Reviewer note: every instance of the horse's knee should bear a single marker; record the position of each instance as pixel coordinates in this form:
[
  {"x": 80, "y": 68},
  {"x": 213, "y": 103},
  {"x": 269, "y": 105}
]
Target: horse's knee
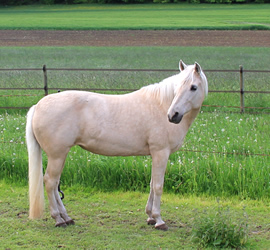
[{"x": 158, "y": 189}]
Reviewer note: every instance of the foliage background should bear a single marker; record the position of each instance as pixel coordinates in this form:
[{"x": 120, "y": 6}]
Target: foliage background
[{"x": 25, "y": 2}]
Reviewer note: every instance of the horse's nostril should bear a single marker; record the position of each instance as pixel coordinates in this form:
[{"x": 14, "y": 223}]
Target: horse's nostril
[{"x": 176, "y": 118}]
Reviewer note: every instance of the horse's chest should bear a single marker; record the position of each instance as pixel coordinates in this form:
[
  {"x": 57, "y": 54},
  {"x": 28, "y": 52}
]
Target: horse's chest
[{"x": 177, "y": 139}]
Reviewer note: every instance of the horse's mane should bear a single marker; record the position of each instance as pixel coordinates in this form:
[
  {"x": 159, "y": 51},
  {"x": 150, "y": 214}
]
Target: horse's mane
[{"x": 164, "y": 91}]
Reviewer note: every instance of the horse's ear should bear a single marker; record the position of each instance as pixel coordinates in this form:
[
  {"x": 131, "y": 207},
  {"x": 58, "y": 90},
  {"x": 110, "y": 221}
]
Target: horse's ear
[
  {"x": 182, "y": 66},
  {"x": 198, "y": 68}
]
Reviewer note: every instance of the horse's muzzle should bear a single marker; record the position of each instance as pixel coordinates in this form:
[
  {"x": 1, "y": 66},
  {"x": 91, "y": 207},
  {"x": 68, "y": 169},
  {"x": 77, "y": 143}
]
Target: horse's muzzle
[{"x": 176, "y": 118}]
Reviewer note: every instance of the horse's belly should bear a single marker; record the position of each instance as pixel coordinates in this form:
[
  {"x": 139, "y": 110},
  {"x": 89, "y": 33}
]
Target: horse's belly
[{"x": 115, "y": 148}]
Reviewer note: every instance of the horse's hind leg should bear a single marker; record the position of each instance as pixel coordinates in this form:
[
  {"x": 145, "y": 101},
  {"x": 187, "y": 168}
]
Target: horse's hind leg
[
  {"x": 62, "y": 209},
  {"x": 51, "y": 179}
]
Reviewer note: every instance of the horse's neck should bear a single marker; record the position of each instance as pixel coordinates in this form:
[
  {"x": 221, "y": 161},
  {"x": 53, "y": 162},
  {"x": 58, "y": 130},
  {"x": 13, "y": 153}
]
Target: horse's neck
[
  {"x": 187, "y": 121},
  {"x": 179, "y": 131},
  {"x": 190, "y": 117}
]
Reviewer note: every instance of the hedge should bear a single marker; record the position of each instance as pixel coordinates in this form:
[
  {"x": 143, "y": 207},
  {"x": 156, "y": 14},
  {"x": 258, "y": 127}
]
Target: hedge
[{"x": 50, "y": 2}]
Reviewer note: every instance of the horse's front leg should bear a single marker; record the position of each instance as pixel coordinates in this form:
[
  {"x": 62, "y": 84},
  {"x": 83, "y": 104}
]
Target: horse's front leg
[
  {"x": 149, "y": 205},
  {"x": 159, "y": 164}
]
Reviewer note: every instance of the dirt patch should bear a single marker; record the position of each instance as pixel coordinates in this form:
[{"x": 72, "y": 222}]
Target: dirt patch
[{"x": 134, "y": 38}]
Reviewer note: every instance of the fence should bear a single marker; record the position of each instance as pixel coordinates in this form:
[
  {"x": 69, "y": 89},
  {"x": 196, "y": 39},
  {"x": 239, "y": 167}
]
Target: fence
[
  {"x": 241, "y": 91},
  {"x": 45, "y": 82}
]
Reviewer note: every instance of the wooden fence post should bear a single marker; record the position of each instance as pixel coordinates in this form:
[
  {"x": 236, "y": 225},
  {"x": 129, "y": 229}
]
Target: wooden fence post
[
  {"x": 242, "y": 102},
  {"x": 45, "y": 80}
]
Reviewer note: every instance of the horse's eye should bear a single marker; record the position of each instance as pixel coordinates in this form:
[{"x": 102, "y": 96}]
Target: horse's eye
[{"x": 193, "y": 88}]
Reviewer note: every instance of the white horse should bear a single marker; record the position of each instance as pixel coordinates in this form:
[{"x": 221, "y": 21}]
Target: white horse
[{"x": 151, "y": 121}]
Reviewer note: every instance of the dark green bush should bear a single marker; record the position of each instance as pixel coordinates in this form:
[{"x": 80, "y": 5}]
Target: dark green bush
[{"x": 221, "y": 228}]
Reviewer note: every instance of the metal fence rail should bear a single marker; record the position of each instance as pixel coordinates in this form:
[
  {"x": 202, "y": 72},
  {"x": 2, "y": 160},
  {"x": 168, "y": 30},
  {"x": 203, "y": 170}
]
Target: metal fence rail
[{"x": 46, "y": 88}]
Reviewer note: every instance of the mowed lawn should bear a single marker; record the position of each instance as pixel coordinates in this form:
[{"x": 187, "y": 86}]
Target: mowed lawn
[
  {"x": 139, "y": 16},
  {"x": 116, "y": 220}
]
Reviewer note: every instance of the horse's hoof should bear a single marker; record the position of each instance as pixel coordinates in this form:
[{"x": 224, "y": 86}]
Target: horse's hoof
[
  {"x": 162, "y": 227},
  {"x": 70, "y": 222},
  {"x": 151, "y": 222},
  {"x": 62, "y": 224}
]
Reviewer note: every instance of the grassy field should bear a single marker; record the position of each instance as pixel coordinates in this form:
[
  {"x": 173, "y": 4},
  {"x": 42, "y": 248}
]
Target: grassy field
[
  {"x": 132, "y": 58},
  {"x": 219, "y": 174},
  {"x": 152, "y": 16},
  {"x": 197, "y": 173},
  {"x": 98, "y": 189},
  {"x": 117, "y": 221}
]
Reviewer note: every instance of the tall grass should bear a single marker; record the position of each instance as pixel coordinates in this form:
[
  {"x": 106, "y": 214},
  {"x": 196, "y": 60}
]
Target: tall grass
[
  {"x": 187, "y": 172},
  {"x": 146, "y": 16},
  {"x": 220, "y": 228}
]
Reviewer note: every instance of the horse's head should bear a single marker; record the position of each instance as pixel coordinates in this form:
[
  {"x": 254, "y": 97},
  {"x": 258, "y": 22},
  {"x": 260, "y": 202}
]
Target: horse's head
[{"x": 189, "y": 93}]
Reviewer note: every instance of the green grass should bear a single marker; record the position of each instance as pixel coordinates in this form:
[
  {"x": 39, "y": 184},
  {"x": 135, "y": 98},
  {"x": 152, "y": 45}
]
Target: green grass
[
  {"x": 199, "y": 173},
  {"x": 220, "y": 228},
  {"x": 164, "y": 57},
  {"x": 117, "y": 221},
  {"x": 146, "y": 16},
  {"x": 224, "y": 173}
]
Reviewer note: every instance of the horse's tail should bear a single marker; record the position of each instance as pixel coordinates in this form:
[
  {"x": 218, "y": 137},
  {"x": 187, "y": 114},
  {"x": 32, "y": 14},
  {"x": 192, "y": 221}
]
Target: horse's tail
[{"x": 36, "y": 189}]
